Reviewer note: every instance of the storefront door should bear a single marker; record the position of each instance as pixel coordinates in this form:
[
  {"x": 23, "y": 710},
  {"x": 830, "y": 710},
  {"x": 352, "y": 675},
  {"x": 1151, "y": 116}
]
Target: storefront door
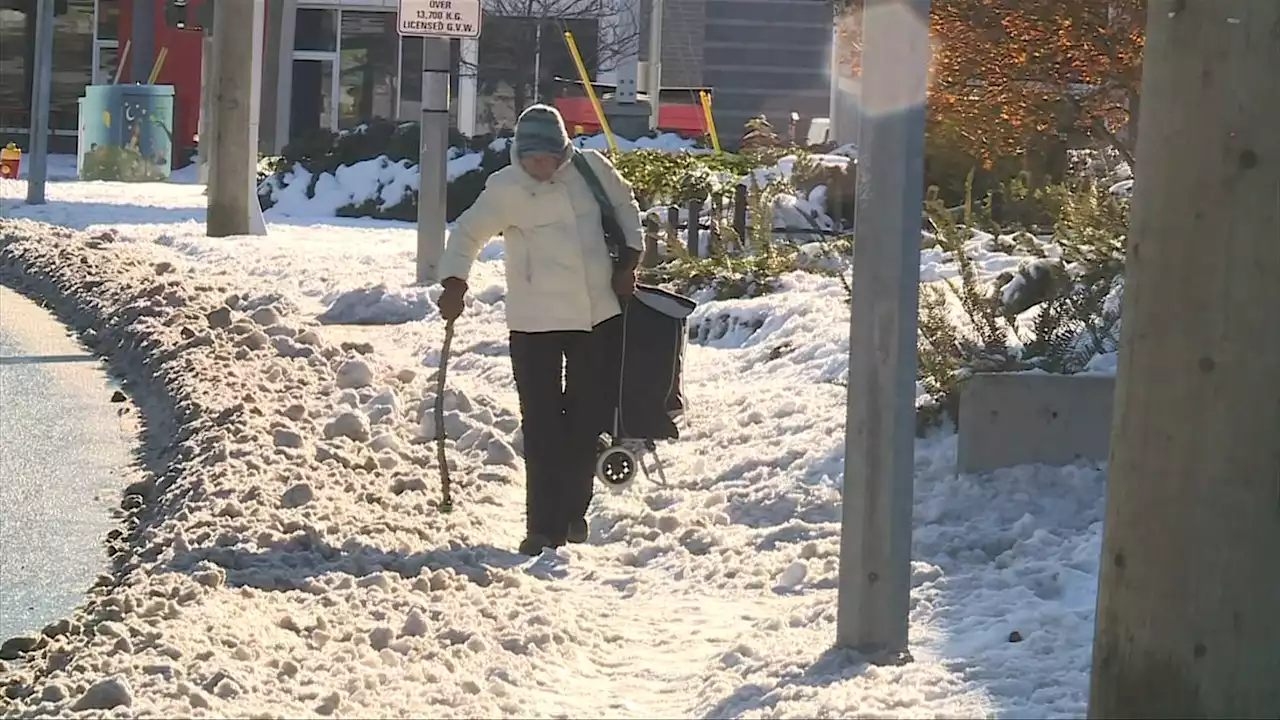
[{"x": 315, "y": 85}]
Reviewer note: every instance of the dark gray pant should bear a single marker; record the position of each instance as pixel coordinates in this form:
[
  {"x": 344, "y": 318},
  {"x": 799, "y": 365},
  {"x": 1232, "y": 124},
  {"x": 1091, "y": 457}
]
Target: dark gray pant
[{"x": 568, "y": 387}]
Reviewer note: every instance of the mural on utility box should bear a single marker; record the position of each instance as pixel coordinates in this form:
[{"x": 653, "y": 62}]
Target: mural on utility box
[{"x": 128, "y": 133}]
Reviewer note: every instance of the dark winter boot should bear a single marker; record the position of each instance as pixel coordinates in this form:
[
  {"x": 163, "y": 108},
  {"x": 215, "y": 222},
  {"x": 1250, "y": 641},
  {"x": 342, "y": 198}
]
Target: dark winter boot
[
  {"x": 534, "y": 544},
  {"x": 577, "y": 532}
]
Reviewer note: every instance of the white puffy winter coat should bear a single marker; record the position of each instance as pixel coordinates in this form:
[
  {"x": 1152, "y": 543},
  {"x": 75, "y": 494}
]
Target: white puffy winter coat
[{"x": 559, "y": 273}]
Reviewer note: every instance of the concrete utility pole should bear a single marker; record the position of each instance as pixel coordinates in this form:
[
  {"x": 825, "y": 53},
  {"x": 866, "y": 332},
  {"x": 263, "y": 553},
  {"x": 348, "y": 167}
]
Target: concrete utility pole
[
  {"x": 237, "y": 79},
  {"x": 433, "y": 156},
  {"x": 875, "y": 540},
  {"x": 844, "y": 106},
  {"x": 41, "y": 88},
  {"x": 204, "y": 127},
  {"x": 653, "y": 78},
  {"x": 1187, "y": 622}
]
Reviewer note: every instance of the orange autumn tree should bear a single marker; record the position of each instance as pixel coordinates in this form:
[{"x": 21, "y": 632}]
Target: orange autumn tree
[{"x": 1008, "y": 75}]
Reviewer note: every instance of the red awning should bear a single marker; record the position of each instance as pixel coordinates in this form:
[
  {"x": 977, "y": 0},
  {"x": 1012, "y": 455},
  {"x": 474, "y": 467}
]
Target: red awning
[{"x": 684, "y": 120}]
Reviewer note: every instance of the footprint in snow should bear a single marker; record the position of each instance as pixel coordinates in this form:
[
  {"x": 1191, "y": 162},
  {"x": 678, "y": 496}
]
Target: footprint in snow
[{"x": 550, "y": 565}]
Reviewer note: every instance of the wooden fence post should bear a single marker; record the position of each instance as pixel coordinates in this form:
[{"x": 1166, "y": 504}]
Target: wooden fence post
[
  {"x": 673, "y": 227},
  {"x": 717, "y": 214},
  {"x": 740, "y": 215},
  {"x": 652, "y": 229},
  {"x": 693, "y": 229},
  {"x": 850, "y": 201},
  {"x": 835, "y": 198}
]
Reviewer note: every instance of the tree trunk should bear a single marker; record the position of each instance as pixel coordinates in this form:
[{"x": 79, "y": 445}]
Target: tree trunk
[
  {"x": 1135, "y": 112},
  {"x": 1188, "y": 621}
]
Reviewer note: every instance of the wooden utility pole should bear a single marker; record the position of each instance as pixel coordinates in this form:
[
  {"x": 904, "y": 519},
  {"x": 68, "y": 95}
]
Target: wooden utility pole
[{"x": 1188, "y": 621}]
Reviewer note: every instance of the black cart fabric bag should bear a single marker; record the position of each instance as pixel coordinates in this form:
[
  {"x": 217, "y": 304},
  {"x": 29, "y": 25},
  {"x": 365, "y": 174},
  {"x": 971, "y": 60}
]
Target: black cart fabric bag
[{"x": 655, "y": 334}]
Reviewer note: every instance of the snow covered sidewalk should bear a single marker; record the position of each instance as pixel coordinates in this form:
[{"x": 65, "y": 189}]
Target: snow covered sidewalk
[{"x": 286, "y": 560}]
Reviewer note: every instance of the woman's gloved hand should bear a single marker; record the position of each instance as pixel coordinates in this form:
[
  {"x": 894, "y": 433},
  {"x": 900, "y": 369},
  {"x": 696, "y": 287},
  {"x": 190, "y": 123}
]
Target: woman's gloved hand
[
  {"x": 451, "y": 300},
  {"x": 624, "y": 282}
]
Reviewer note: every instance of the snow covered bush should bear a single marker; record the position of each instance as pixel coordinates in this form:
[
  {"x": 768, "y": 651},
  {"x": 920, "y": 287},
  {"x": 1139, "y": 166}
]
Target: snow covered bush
[
  {"x": 725, "y": 276},
  {"x": 792, "y": 223},
  {"x": 372, "y": 170},
  {"x": 793, "y": 215},
  {"x": 1058, "y": 312}
]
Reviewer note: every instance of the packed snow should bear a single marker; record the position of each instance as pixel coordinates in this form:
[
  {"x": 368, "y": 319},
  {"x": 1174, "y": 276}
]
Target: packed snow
[{"x": 287, "y": 559}]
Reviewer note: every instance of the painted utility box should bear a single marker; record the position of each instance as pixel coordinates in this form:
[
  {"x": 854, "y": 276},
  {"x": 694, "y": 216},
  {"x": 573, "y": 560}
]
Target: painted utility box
[{"x": 126, "y": 133}]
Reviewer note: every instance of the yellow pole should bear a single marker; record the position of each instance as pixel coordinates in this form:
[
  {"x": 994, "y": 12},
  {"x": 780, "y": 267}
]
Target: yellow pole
[
  {"x": 591, "y": 91},
  {"x": 711, "y": 121},
  {"x": 159, "y": 63},
  {"x": 120, "y": 62}
]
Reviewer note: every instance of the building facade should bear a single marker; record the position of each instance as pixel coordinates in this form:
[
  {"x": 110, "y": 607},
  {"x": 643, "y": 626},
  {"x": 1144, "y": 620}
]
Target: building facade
[
  {"x": 760, "y": 57},
  {"x": 77, "y": 63},
  {"x": 331, "y": 64}
]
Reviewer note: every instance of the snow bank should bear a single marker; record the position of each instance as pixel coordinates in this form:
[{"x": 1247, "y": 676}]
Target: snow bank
[
  {"x": 286, "y": 559},
  {"x": 243, "y": 550},
  {"x": 378, "y": 306}
]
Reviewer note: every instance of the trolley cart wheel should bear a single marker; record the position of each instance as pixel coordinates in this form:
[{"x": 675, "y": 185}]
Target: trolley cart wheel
[{"x": 617, "y": 467}]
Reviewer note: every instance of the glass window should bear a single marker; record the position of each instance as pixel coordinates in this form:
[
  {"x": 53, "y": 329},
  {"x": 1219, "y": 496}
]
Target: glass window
[
  {"x": 108, "y": 62},
  {"x": 505, "y": 76},
  {"x": 311, "y": 107},
  {"x": 411, "y": 78},
  {"x": 367, "y": 83},
  {"x": 108, "y": 19},
  {"x": 17, "y": 30},
  {"x": 316, "y": 29},
  {"x": 73, "y": 63},
  {"x": 557, "y": 61}
]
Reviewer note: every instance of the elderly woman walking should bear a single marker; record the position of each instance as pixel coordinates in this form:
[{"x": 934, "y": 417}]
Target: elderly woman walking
[{"x": 563, "y": 308}]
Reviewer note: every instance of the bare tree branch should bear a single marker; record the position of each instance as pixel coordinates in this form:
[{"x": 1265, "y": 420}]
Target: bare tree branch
[
  {"x": 618, "y": 21},
  {"x": 524, "y": 48}
]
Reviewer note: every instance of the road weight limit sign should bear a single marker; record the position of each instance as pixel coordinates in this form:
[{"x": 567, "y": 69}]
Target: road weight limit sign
[{"x": 440, "y": 18}]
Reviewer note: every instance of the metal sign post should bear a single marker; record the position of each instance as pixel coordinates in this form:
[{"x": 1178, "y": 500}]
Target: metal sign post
[
  {"x": 875, "y": 537},
  {"x": 436, "y": 22},
  {"x": 653, "y": 79},
  {"x": 41, "y": 87}
]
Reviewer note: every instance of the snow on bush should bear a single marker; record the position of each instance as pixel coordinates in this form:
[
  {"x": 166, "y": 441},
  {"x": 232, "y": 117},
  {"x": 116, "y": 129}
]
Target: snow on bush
[
  {"x": 382, "y": 182},
  {"x": 373, "y": 173}
]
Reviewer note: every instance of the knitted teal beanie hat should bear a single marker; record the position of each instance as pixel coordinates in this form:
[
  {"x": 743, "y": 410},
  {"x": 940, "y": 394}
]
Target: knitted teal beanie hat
[{"x": 540, "y": 129}]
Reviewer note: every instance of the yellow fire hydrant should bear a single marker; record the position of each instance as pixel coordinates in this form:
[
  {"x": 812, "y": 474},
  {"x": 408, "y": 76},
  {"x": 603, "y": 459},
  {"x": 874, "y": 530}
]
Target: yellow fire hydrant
[{"x": 10, "y": 162}]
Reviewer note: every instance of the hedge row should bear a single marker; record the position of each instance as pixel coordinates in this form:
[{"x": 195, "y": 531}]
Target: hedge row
[{"x": 658, "y": 177}]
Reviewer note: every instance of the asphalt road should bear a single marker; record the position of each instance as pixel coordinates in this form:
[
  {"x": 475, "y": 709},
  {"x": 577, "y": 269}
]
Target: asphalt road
[{"x": 65, "y": 454}]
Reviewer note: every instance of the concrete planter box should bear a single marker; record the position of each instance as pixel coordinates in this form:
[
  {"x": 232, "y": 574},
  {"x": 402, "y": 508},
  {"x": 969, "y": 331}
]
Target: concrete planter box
[{"x": 1009, "y": 419}]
